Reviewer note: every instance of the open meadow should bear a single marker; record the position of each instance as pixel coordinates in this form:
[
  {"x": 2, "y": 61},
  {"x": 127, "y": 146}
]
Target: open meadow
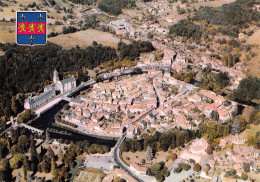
[
  {"x": 8, "y": 34},
  {"x": 86, "y": 38},
  {"x": 254, "y": 63}
]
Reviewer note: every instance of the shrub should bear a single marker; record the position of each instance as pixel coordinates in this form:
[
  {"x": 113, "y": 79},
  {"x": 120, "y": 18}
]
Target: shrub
[{"x": 197, "y": 167}]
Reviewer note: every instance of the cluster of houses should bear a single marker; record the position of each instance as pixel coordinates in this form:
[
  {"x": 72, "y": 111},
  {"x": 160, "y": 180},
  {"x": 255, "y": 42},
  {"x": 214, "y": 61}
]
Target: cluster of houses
[
  {"x": 230, "y": 153},
  {"x": 110, "y": 106},
  {"x": 145, "y": 101},
  {"x": 188, "y": 102},
  {"x": 235, "y": 73}
]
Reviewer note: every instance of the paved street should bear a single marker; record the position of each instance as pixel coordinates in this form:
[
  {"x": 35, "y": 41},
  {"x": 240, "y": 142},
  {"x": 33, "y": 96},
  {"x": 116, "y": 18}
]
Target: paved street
[{"x": 140, "y": 178}]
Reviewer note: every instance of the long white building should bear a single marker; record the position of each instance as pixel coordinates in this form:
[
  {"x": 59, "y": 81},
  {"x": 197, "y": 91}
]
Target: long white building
[{"x": 38, "y": 101}]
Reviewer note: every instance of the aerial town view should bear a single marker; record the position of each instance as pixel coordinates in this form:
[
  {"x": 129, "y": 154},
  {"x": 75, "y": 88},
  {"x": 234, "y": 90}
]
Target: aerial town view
[{"x": 130, "y": 90}]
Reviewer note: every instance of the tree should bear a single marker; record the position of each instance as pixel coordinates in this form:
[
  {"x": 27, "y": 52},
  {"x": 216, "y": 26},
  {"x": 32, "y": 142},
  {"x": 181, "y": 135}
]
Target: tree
[
  {"x": 16, "y": 161},
  {"x": 187, "y": 79},
  {"x": 159, "y": 178},
  {"x": 186, "y": 166},
  {"x": 33, "y": 151},
  {"x": 149, "y": 35},
  {"x": 246, "y": 167},
  {"x": 118, "y": 179},
  {"x": 173, "y": 156},
  {"x": 248, "y": 89},
  {"x": 53, "y": 165},
  {"x": 24, "y": 173},
  {"x": 29, "y": 178},
  {"x": 178, "y": 169},
  {"x": 186, "y": 28},
  {"x": 235, "y": 128},
  {"x": 165, "y": 172},
  {"x": 196, "y": 167},
  {"x": 1, "y": 151},
  {"x": 148, "y": 154},
  {"x": 214, "y": 115},
  {"x": 138, "y": 70},
  {"x": 45, "y": 166},
  {"x": 226, "y": 131},
  {"x": 23, "y": 143},
  {"x": 244, "y": 176},
  {"x": 209, "y": 150},
  {"x": 60, "y": 155},
  {"x": 156, "y": 168},
  {"x": 25, "y": 163},
  {"x": 5, "y": 170},
  {"x": 14, "y": 106},
  {"x": 50, "y": 154}
]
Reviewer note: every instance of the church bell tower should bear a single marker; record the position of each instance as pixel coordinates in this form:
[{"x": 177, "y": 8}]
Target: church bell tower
[{"x": 55, "y": 76}]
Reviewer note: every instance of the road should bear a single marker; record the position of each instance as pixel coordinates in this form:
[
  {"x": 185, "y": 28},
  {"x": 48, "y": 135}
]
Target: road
[
  {"x": 138, "y": 177},
  {"x": 118, "y": 160}
]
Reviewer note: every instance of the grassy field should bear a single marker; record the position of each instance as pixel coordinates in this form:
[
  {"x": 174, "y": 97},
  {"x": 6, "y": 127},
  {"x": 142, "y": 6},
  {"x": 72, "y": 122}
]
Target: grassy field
[
  {"x": 7, "y": 11},
  {"x": 7, "y": 32},
  {"x": 215, "y": 3},
  {"x": 250, "y": 132},
  {"x": 133, "y": 157},
  {"x": 86, "y": 38},
  {"x": 105, "y": 18},
  {"x": 254, "y": 63},
  {"x": 138, "y": 156}
]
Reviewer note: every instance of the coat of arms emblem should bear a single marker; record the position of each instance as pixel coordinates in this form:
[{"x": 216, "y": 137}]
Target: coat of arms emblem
[{"x": 31, "y": 28}]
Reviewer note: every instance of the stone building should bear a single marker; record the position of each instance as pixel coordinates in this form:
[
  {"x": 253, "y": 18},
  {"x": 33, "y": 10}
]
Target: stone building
[
  {"x": 37, "y": 101},
  {"x": 61, "y": 86},
  {"x": 50, "y": 91}
]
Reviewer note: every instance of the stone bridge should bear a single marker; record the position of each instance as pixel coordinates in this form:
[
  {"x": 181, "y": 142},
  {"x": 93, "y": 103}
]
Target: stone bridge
[{"x": 34, "y": 130}]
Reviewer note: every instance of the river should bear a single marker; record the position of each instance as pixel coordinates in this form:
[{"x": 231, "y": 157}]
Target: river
[{"x": 45, "y": 121}]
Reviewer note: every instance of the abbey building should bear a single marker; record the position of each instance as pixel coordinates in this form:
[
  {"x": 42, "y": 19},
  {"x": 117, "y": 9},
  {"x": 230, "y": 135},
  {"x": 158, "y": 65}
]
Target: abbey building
[
  {"x": 50, "y": 91},
  {"x": 61, "y": 86}
]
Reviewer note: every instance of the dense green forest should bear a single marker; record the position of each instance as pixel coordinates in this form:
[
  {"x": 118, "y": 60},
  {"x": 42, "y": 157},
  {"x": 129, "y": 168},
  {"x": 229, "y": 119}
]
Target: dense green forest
[
  {"x": 238, "y": 14},
  {"x": 175, "y": 138},
  {"x": 160, "y": 141},
  {"x": 233, "y": 17},
  {"x": 186, "y": 28},
  {"x": 206, "y": 79},
  {"x": 248, "y": 90},
  {"x": 115, "y": 7},
  {"x": 84, "y": 2},
  {"x": 133, "y": 50},
  {"x": 213, "y": 81}
]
